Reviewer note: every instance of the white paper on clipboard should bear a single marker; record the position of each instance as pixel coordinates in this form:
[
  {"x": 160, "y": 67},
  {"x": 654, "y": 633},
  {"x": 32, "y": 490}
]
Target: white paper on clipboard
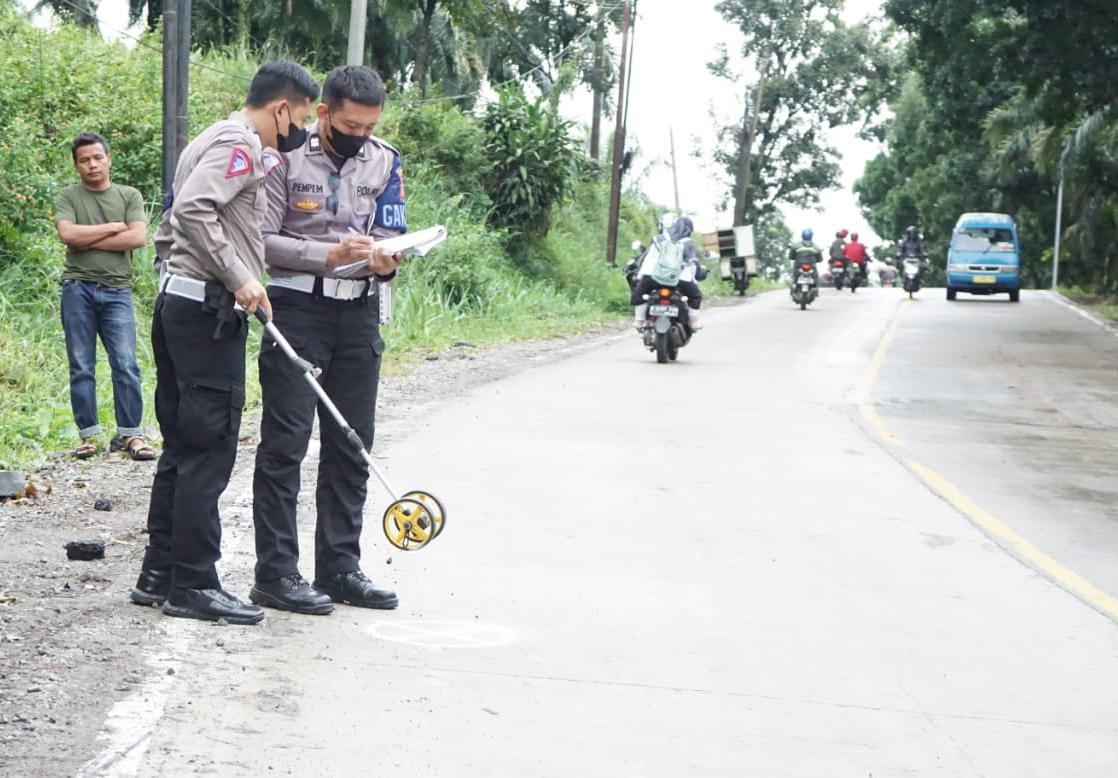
[{"x": 415, "y": 244}]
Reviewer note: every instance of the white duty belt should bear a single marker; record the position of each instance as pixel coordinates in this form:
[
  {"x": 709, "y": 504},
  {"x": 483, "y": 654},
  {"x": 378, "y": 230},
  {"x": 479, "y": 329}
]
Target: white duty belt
[
  {"x": 342, "y": 289},
  {"x": 334, "y": 288},
  {"x": 181, "y": 286}
]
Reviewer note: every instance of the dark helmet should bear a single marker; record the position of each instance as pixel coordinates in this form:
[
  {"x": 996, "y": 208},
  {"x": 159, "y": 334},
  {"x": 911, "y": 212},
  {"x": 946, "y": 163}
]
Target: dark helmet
[
  {"x": 807, "y": 235},
  {"x": 854, "y": 236},
  {"x": 911, "y": 232}
]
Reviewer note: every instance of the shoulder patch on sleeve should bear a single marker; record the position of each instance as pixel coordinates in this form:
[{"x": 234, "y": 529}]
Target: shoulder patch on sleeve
[
  {"x": 272, "y": 160},
  {"x": 239, "y": 163}
]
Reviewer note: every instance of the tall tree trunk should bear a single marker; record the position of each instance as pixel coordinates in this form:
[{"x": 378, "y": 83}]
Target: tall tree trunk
[
  {"x": 744, "y": 182},
  {"x": 423, "y": 50},
  {"x": 596, "y": 117},
  {"x": 244, "y": 21}
]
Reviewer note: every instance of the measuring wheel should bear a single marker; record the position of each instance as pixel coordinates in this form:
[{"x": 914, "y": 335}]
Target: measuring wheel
[
  {"x": 433, "y": 506},
  {"x": 408, "y": 524}
]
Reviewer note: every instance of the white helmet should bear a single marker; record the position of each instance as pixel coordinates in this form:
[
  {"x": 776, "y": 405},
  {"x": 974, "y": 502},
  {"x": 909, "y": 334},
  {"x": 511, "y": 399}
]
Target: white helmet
[{"x": 666, "y": 221}]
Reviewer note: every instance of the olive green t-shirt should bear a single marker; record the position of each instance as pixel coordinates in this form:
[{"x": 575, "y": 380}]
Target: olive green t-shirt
[{"x": 79, "y": 205}]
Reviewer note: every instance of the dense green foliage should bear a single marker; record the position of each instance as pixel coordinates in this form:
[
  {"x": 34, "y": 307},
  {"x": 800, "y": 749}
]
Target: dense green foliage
[
  {"x": 819, "y": 73},
  {"x": 58, "y": 83},
  {"x": 1002, "y": 97}
]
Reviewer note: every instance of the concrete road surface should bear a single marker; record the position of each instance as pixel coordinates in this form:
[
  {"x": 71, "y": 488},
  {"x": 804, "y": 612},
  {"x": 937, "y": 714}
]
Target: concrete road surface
[{"x": 781, "y": 556}]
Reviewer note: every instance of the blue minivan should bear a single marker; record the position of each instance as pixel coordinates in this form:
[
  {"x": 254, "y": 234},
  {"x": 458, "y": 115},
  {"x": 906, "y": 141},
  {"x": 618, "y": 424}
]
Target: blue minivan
[{"x": 984, "y": 256}]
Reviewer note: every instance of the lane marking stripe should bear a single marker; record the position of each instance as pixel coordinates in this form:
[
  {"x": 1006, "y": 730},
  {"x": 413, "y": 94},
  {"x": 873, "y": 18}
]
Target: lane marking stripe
[{"x": 991, "y": 525}]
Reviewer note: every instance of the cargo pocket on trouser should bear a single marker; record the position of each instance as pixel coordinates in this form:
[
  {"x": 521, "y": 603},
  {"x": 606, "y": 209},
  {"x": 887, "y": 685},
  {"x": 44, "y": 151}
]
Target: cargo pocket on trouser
[{"x": 210, "y": 413}]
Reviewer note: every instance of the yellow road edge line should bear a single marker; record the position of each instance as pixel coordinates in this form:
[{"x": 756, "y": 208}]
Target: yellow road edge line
[{"x": 994, "y": 527}]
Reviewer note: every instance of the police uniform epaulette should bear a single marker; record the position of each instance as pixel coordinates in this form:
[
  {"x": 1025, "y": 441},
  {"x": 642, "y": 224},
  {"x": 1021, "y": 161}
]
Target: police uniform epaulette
[{"x": 382, "y": 143}]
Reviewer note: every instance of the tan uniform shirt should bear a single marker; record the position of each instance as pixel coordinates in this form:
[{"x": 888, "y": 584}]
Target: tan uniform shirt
[
  {"x": 211, "y": 232},
  {"x": 312, "y": 204}
]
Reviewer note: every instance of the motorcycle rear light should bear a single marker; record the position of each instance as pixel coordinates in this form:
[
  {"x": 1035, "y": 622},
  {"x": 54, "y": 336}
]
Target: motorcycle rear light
[
  {"x": 665, "y": 292},
  {"x": 806, "y": 267}
]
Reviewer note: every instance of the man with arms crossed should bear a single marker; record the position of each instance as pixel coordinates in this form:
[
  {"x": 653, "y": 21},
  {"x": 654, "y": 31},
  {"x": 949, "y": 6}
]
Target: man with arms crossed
[{"x": 101, "y": 223}]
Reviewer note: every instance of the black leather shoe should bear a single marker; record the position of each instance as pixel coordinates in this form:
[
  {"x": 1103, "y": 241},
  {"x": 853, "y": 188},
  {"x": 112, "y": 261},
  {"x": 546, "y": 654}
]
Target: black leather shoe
[
  {"x": 355, "y": 589},
  {"x": 291, "y": 593},
  {"x": 210, "y": 605},
  {"x": 152, "y": 587}
]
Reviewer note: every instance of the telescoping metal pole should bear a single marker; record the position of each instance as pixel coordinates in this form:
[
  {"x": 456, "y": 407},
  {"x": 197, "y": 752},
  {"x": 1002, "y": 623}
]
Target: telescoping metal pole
[{"x": 310, "y": 373}]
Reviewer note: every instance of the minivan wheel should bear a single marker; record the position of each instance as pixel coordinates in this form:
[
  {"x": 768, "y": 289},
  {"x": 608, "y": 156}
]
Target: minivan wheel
[
  {"x": 1015, "y": 296},
  {"x": 950, "y": 293}
]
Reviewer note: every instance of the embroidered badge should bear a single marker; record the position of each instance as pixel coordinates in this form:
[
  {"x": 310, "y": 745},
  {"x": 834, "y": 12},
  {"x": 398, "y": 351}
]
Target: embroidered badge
[
  {"x": 271, "y": 162},
  {"x": 239, "y": 163},
  {"x": 308, "y": 205}
]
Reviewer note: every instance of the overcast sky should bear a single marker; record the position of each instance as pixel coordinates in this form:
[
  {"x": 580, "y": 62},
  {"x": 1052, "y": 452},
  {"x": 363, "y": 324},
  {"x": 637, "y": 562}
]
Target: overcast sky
[
  {"x": 671, "y": 85},
  {"x": 670, "y": 79}
]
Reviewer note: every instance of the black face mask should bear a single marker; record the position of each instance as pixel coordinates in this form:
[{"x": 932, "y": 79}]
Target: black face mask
[
  {"x": 294, "y": 138},
  {"x": 344, "y": 144}
]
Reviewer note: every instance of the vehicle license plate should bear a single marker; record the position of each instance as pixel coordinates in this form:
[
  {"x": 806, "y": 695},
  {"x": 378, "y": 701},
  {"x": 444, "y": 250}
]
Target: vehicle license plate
[
  {"x": 663, "y": 310},
  {"x": 985, "y": 279}
]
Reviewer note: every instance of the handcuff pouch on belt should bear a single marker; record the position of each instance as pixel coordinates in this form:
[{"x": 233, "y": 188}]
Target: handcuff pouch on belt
[{"x": 219, "y": 301}]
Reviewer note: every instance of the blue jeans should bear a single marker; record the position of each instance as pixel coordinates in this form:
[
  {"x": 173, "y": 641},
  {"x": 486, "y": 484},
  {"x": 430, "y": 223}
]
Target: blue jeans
[{"x": 89, "y": 310}]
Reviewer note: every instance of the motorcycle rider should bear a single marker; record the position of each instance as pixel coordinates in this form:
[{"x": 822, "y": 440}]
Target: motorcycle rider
[
  {"x": 838, "y": 248},
  {"x": 855, "y": 252},
  {"x": 677, "y": 231},
  {"x": 911, "y": 245},
  {"x": 803, "y": 252}
]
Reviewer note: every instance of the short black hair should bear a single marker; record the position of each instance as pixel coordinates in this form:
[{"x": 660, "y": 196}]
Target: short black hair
[
  {"x": 353, "y": 82},
  {"x": 280, "y": 79},
  {"x": 88, "y": 139}
]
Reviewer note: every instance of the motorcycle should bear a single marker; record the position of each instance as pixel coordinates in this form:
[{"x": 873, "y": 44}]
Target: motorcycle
[
  {"x": 740, "y": 275},
  {"x": 633, "y": 266},
  {"x": 667, "y": 329},
  {"x": 838, "y": 272},
  {"x": 856, "y": 275},
  {"x": 805, "y": 287},
  {"x": 912, "y": 276}
]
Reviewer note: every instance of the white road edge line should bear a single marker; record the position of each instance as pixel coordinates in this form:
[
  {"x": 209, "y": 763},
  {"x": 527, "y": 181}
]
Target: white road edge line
[
  {"x": 131, "y": 722},
  {"x": 1076, "y": 308}
]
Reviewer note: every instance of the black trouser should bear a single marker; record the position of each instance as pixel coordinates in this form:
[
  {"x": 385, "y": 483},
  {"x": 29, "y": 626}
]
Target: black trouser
[
  {"x": 199, "y": 396},
  {"x": 342, "y": 337},
  {"x": 689, "y": 289}
]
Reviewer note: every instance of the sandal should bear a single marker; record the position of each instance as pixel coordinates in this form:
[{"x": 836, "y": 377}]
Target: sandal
[
  {"x": 87, "y": 449},
  {"x": 134, "y": 446}
]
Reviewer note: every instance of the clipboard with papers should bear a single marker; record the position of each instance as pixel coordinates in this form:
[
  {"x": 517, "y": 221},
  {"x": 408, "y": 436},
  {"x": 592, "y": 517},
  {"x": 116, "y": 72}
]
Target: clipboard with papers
[{"x": 413, "y": 244}]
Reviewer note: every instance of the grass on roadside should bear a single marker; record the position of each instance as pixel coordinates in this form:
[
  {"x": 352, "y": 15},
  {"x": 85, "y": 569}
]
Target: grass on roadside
[{"x": 1104, "y": 305}]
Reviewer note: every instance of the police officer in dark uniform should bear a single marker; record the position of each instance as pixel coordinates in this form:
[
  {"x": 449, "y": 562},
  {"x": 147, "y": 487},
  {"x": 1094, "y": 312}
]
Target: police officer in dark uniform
[
  {"x": 213, "y": 251},
  {"x": 327, "y": 203}
]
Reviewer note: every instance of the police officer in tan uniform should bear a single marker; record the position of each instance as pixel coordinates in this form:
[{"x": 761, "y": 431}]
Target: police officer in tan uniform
[
  {"x": 327, "y": 203},
  {"x": 213, "y": 251}
]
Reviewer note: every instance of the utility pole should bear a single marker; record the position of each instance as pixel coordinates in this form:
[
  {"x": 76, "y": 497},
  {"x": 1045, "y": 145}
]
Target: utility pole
[
  {"x": 596, "y": 117},
  {"x": 170, "y": 91},
  {"x": 182, "y": 66},
  {"x": 675, "y": 176},
  {"x": 355, "y": 54},
  {"x": 1059, "y": 224},
  {"x": 618, "y": 143}
]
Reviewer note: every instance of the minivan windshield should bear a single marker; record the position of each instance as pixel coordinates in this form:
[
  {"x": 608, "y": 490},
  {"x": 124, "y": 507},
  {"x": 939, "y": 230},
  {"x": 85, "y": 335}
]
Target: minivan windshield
[{"x": 984, "y": 239}]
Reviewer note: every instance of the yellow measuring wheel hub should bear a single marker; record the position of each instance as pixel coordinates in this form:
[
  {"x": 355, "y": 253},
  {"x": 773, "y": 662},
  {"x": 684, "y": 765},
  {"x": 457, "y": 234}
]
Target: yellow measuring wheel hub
[
  {"x": 408, "y": 524},
  {"x": 433, "y": 506}
]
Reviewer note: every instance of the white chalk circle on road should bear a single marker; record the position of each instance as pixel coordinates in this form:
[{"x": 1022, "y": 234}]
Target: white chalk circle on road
[{"x": 442, "y": 634}]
